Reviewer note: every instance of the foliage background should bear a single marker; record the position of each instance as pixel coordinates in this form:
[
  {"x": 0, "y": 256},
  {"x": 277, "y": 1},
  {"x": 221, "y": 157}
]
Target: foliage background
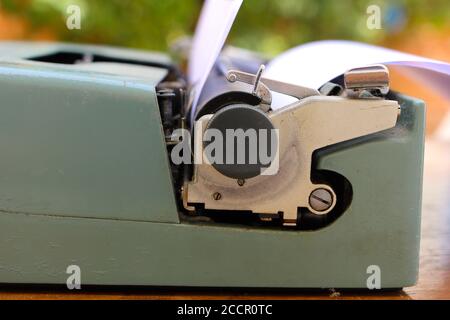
[{"x": 268, "y": 26}]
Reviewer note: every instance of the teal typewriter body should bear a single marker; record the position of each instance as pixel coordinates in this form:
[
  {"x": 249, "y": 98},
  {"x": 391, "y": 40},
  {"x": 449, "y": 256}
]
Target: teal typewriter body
[{"x": 87, "y": 179}]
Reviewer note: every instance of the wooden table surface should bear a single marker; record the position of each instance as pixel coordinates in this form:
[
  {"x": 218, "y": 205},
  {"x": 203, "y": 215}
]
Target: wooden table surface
[{"x": 434, "y": 277}]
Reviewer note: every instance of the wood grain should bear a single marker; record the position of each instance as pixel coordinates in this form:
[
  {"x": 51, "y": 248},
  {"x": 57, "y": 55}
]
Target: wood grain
[{"x": 434, "y": 278}]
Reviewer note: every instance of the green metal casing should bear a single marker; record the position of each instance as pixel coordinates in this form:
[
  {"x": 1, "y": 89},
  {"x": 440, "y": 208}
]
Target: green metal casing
[{"x": 85, "y": 180}]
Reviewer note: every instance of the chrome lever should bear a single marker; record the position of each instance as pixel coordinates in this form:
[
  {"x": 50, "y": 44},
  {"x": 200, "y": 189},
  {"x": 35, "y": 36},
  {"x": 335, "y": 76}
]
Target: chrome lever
[
  {"x": 367, "y": 82},
  {"x": 262, "y": 86}
]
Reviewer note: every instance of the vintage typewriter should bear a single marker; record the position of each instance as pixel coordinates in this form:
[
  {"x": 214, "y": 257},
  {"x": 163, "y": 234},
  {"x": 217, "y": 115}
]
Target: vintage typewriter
[{"x": 89, "y": 135}]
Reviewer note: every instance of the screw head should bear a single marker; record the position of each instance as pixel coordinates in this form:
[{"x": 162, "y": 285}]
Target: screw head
[
  {"x": 217, "y": 196},
  {"x": 321, "y": 199},
  {"x": 232, "y": 77}
]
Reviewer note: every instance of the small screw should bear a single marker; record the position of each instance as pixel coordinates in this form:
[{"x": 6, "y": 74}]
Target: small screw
[
  {"x": 240, "y": 182},
  {"x": 320, "y": 199},
  {"x": 232, "y": 77},
  {"x": 217, "y": 196}
]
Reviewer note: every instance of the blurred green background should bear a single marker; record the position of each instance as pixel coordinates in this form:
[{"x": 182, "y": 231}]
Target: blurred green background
[{"x": 267, "y": 26}]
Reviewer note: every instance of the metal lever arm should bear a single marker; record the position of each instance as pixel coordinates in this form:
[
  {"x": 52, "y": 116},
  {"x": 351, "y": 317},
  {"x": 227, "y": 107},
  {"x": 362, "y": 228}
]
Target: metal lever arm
[{"x": 274, "y": 85}]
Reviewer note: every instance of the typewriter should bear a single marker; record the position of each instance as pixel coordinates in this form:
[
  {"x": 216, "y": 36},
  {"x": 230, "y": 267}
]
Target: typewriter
[{"x": 106, "y": 165}]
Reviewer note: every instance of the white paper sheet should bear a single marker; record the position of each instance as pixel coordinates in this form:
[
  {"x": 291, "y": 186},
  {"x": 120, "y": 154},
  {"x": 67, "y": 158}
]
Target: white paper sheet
[
  {"x": 212, "y": 29},
  {"x": 315, "y": 63}
]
